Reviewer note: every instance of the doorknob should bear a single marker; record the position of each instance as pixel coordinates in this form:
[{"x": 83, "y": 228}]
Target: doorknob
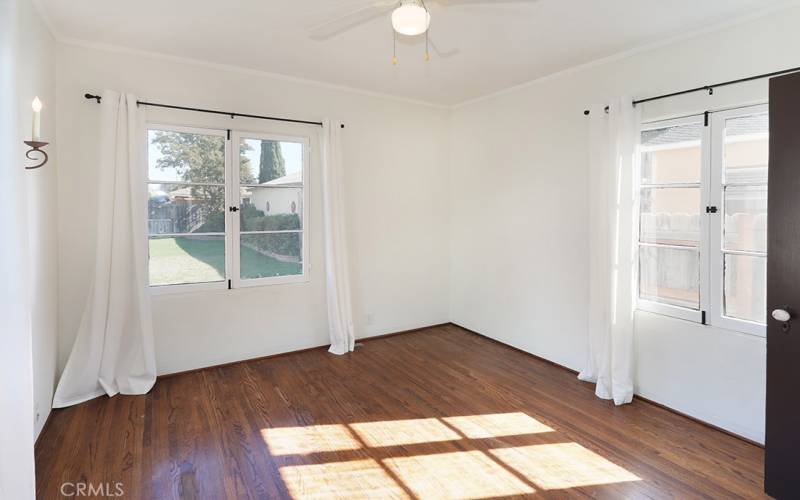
[{"x": 781, "y": 314}]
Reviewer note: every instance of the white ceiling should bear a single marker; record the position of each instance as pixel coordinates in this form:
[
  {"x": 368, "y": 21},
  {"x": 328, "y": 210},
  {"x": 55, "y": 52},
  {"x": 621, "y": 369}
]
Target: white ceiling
[{"x": 495, "y": 46}]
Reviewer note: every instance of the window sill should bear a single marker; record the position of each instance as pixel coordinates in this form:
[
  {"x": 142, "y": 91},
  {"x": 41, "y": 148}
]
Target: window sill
[
  {"x": 736, "y": 326},
  {"x": 676, "y": 312},
  {"x": 222, "y": 286}
]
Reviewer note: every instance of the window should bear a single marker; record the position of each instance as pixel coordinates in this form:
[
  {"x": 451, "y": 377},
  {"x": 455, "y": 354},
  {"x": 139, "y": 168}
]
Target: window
[
  {"x": 207, "y": 191},
  {"x": 703, "y": 218}
]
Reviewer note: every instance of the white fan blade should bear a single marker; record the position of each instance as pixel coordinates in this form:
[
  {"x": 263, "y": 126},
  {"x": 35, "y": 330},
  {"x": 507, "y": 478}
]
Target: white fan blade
[
  {"x": 360, "y": 16},
  {"x": 448, "y": 3}
]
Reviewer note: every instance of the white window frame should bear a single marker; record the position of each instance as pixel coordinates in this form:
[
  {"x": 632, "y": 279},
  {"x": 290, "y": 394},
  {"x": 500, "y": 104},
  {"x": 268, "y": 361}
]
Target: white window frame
[
  {"x": 232, "y": 278},
  {"x": 711, "y": 250}
]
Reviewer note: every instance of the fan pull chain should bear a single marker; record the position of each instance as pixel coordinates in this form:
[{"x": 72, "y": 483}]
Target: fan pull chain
[
  {"x": 427, "y": 51},
  {"x": 394, "y": 48}
]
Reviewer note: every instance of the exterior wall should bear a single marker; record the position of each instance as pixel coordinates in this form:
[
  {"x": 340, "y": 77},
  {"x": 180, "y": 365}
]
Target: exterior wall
[{"x": 280, "y": 200}]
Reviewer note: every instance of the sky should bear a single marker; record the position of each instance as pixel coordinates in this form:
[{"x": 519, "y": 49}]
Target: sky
[{"x": 292, "y": 155}]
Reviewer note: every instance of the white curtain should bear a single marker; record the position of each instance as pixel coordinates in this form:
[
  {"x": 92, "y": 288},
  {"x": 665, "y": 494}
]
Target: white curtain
[
  {"x": 113, "y": 351},
  {"x": 613, "y": 179},
  {"x": 340, "y": 314}
]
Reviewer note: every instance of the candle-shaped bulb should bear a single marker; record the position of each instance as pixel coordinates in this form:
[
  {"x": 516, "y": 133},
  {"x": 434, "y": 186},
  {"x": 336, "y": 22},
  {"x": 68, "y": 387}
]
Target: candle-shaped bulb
[{"x": 36, "y": 105}]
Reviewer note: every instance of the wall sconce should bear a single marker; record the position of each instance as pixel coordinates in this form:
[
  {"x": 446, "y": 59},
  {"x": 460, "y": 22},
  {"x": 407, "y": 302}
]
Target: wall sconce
[{"x": 36, "y": 143}]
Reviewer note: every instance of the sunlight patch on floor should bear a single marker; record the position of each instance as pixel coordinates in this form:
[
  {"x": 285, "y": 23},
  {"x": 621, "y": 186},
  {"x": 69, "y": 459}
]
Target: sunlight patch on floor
[
  {"x": 403, "y": 432},
  {"x": 311, "y": 439},
  {"x": 474, "y": 472},
  {"x": 562, "y": 465},
  {"x": 497, "y": 425},
  {"x": 467, "y": 474},
  {"x": 347, "y": 480}
]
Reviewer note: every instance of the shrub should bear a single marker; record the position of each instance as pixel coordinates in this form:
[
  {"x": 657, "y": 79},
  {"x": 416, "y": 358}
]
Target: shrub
[
  {"x": 214, "y": 224},
  {"x": 288, "y": 244},
  {"x": 277, "y": 222}
]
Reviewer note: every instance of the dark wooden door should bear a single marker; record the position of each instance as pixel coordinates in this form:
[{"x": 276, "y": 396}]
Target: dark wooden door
[{"x": 782, "y": 465}]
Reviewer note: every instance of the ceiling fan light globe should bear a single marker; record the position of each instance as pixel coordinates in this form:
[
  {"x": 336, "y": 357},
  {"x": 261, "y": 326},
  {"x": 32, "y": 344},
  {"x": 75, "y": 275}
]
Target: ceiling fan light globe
[{"x": 411, "y": 19}]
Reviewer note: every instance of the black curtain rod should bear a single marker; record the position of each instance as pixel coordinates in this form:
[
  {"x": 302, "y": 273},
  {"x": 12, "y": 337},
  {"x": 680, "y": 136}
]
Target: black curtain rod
[
  {"x": 212, "y": 111},
  {"x": 710, "y": 88}
]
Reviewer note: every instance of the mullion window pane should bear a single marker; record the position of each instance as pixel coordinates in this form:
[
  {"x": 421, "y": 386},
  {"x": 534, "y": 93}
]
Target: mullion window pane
[
  {"x": 746, "y": 152},
  {"x": 670, "y": 276},
  {"x": 274, "y": 162},
  {"x": 180, "y": 208},
  {"x": 745, "y": 225},
  {"x": 185, "y": 157},
  {"x": 267, "y": 208},
  {"x": 270, "y": 255},
  {"x": 186, "y": 259},
  {"x": 745, "y": 286},
  {"x": 670, "y": 216},
  {"x": 671, "y": 154}
]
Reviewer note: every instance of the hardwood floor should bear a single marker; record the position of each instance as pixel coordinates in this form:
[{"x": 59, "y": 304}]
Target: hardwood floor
[{"x": 436, "y": 413}]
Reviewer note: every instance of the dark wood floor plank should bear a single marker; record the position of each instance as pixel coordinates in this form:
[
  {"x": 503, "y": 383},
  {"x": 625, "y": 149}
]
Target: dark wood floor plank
[
  {"x": 389, "y": 421},
  {"x": 687, "y": 457}
]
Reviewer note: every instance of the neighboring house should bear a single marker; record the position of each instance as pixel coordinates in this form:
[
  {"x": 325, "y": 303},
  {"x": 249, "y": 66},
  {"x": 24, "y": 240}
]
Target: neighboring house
[{"x": 283, "y": 195}]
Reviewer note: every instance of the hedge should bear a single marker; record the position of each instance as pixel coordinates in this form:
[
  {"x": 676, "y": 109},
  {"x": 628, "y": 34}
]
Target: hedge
[{"x": 252, "y": 219}]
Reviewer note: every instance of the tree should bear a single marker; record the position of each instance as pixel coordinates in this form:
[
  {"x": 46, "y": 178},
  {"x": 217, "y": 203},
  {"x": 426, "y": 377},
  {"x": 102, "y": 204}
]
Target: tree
[
  {"x": 198, "y": 158},
  {"x": 272, "y": 164},
  {"x": 245, "y": 168}
]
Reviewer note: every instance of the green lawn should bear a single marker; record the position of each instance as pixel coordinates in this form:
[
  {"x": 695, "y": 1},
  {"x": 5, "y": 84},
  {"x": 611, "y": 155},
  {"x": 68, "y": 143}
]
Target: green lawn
[{"x": 202, "y": 259}]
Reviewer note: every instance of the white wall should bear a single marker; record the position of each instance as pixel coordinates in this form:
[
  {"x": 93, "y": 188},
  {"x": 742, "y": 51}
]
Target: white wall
[
  {"x": 396, "y": 189},
  {"x": 27, "y": 255},
  {"x": 519, "y": 217},
  {"x": 38, "y": 78}
]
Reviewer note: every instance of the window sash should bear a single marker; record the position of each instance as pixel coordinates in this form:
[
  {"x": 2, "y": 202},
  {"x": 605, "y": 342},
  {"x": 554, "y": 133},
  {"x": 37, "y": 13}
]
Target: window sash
[
  {"x": 235, "y": 189},
  {"x": 684, "y": 313},
  {"x": 717, "y": 187}
]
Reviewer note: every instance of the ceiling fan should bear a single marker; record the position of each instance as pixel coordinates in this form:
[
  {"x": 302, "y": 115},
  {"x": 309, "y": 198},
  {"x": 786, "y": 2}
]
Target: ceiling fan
[{"x": 409, "y": 18}]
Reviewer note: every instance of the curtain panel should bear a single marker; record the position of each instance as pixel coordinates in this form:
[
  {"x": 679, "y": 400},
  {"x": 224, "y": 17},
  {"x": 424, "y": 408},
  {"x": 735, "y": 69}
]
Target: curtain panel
[
  {"x": 113, "y": 350},
  {"x": 337, "y": 274},
  {"x": 613, "y": 178}
]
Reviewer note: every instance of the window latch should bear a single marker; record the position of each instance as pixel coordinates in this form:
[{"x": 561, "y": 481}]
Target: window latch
[
  {"x": 233, "y": 209},
  {"x": 711, "y": 210}
]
